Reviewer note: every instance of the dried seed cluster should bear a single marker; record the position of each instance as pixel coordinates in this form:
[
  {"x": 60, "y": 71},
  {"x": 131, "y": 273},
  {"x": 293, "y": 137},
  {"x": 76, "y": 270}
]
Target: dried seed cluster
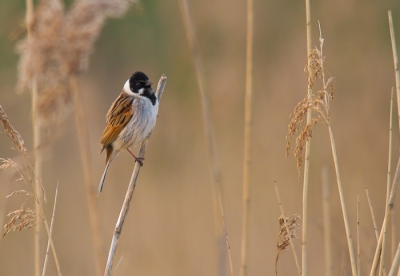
[{"x": 318, "y": 104}]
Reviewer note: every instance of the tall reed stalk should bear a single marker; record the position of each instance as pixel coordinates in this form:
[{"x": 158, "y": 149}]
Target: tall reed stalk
[
  {"x": 393, "y": 190},
  {"x": 36, "y": 144},
  {"x": 307, "y": 150},
  {"x": 326, "y": 214},
  {"x": 221, "y": 231},
  {"x": 91, "y": 198},
  {"x": 248, "y": 125},
  {"x": 382, "y": 263}
]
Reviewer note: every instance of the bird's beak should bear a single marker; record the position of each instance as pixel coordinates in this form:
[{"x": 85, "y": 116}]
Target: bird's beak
[{"x": 148, "y": 82}]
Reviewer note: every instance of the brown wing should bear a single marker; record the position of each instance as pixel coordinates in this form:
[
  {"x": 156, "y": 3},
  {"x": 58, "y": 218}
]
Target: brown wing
[{"x": 117, "y": 118}]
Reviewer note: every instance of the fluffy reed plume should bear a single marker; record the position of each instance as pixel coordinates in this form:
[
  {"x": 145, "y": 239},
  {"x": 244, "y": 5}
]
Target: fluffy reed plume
[
  {"x": 59, "y": 47},
  {"x": 318, "y": 103},
  {"x": 287, "y": 232},
  {"x": 24, "y": 217}
]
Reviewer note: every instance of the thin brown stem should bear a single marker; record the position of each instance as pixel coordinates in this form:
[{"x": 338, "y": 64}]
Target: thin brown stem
[
  {"x": 247, "y": 140},
  {"x": 342, "y": 203},
  {"x": 372, "y": 214},
  {"x": 389, "y": 208},
  {"x": 50, "y": 233},
  {"x": 212, "y": 154},
  {"x": 290, "y": 237},
  {"x": 129, "y": 193},
  {"x": 395, "y": 265},
  {"x": 326, "y": 213},
  {"x": 382, "y": 263},
  {"x": 307, "y": 149},
  {"x": 390, "y": 202},
  {"x": 395, "y": 61},
  {"x": 91, "y": 199},
  {"x": 394, "y": 237},
  {"x": 358, "y": 237},
  {"x": 36, "y": 143}
]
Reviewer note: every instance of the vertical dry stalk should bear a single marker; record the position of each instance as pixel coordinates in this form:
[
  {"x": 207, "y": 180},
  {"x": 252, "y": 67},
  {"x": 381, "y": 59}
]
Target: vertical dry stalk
[
  {"x": 247, "y": 139},
  {"x": 342, "y": 203},
  {"x": 290, "y": 240},
  {"x": 372, "y": 214},
  {"x": 219, "y": 214},
  {"x": 358, "y": 236},
  {"x": 308, "y": 148},
  {"x": 335, "y": 160},
  {"x": 129, "y": 192},
  {"x": 389, "y": 208},
  {"x": 390, "y": 202},
  {"x": 326, "y": 213},
  {"x": 395, "y": 61},
  {"x": 395, "y": 263},
  {"x": 382, "y": 263},
  {"x": 84, "y": 149},
  {"x": 36, "y": 143},
  {"x": 51, "y": 233},
  {"x": 394, "y": 237}
]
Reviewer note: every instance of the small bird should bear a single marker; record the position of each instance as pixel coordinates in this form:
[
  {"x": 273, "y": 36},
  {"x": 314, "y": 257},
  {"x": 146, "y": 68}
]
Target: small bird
[{"x": 130, "y": 119}]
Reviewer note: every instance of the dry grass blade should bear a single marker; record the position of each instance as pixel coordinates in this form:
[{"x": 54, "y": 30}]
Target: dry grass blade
[
  {"x": 287, "y": 232},
  {"x": 12, "y": 132}
]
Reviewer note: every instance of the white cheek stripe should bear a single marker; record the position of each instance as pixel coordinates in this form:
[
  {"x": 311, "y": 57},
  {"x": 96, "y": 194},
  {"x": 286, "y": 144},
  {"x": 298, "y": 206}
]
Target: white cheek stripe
[{"x": 127, "y": 89}]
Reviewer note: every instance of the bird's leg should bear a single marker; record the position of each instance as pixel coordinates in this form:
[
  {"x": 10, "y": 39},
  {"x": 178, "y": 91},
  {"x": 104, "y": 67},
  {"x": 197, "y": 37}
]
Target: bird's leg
[{"x": 137, "y": 159}]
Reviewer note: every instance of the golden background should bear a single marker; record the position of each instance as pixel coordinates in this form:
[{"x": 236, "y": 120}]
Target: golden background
[{"x": 170, "y": 226}]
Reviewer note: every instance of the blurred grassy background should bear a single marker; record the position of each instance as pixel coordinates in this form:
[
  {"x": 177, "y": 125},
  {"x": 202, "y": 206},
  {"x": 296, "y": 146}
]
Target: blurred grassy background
[{"x": 170, "y": 228}]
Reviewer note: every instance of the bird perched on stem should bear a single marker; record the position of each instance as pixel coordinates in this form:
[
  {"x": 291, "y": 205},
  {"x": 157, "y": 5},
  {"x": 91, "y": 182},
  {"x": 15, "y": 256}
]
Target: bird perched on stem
[{"x": 130, "y": 119}]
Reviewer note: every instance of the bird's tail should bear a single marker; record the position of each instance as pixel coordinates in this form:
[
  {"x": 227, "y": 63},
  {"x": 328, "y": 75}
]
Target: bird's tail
[{"x": 103, "y": 178}]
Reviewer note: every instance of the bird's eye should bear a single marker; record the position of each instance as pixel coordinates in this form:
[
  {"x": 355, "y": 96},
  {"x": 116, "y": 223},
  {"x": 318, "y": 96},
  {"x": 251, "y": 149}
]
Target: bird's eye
[{"x": 138, "y": 83}]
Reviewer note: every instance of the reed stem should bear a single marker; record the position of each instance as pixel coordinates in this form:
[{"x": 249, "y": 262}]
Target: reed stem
[
  {"x": 247, "y": 139},
  {"x": 91, "y": 198},
  {"x": 212, "y": 154},
  {"x": 36, "y": 144},
  {"x": 326, "y": 213},
  {"x": 307, "y": 150}
]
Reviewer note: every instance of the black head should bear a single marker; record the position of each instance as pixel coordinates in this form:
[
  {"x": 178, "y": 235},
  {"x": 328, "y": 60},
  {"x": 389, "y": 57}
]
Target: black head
[{"x": 138, "y": 81}]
